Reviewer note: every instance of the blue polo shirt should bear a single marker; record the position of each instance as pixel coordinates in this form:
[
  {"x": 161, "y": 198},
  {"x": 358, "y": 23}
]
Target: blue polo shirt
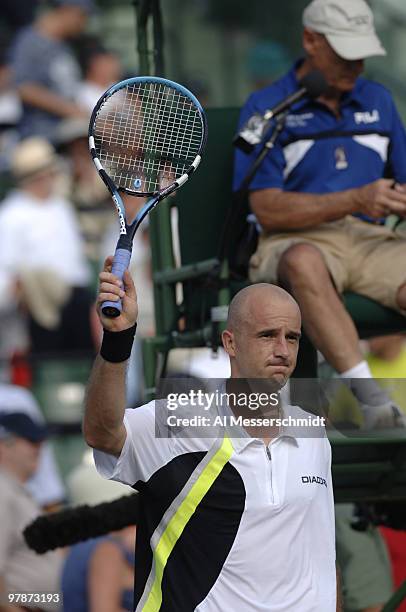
[{"x": 319, "y": 153}]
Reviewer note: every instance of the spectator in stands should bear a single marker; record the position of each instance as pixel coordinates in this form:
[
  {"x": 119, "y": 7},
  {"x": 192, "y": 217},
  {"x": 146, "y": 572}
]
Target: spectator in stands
[
  {"x": 98, "y": 574},
  {"x": 45, "y": 485},
  {"x": 101, "y": 68},
  {"x": 43, "y": 263},
  {"x": 22, "y": 570},
  {"x": 86, "y": 486},
  {"x": 395, "y": 540},
  {"x": 322, "y": 194},
  {"x": 87, "y": 191},
  {"x": 386, "y": 357},
  {"x": 44, "y": 67},
  {"x": 10, "y": 114},
  {"x": 364, "y": 562}
]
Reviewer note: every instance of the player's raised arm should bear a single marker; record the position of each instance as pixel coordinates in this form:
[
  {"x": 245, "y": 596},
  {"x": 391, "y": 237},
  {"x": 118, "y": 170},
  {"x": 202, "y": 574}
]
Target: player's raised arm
[{"x": 103, "y": 426}]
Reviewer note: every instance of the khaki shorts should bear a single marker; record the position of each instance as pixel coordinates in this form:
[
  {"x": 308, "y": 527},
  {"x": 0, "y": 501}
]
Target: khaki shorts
[{"x": 361, "y": 257}]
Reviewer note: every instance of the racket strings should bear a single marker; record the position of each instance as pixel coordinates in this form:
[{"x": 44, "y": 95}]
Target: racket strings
[{"x": 147, "y": 135}]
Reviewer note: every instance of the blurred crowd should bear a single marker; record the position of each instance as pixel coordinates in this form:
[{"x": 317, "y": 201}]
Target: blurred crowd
[
  {"x": 97, "y": 574},
  {"x": 57, "y": 223}
]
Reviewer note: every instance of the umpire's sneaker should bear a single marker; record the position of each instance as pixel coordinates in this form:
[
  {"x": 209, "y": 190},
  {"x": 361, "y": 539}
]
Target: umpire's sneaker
[{"x": 385, "y": 416}]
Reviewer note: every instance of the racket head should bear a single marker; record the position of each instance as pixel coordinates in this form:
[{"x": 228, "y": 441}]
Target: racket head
[{"x": 146, "y": 135}]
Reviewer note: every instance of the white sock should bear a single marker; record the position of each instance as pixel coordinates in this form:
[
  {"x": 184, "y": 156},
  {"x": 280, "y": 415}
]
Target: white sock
[{"x": 361, "y": 370}]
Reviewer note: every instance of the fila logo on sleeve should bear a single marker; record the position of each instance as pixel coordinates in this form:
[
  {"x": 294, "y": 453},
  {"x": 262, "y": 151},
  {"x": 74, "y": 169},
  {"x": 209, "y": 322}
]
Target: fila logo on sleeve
[
  {"x": 367, "y": 116},
  {"x": 316, "y": 479}
]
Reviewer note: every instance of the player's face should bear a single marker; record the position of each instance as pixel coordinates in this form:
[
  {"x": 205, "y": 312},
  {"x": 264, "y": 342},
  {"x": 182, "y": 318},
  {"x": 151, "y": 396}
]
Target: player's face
[
  {"x": 340, "y": 74},
  {"x": 266, "y": 344}
]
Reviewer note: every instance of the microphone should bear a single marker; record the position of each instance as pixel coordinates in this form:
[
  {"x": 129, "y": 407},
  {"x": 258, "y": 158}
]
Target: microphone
[
  {"x": 253, "y": 131},
  {"x": 67, "y": 527}
]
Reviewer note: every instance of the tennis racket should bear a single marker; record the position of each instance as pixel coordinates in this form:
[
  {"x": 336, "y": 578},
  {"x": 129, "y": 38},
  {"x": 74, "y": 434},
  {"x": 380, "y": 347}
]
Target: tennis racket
[{"x": 146, "y": 135}]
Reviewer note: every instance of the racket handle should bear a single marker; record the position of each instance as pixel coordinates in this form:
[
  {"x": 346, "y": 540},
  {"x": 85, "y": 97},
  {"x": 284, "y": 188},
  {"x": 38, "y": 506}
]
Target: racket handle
[{"x": 121, "y": 262}]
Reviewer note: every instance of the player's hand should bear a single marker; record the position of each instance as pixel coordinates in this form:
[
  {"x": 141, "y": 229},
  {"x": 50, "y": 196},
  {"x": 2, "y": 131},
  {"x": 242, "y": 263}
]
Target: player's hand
[
  {"x": 111, "y": 289},
  {"x": 380, "y": 198}
]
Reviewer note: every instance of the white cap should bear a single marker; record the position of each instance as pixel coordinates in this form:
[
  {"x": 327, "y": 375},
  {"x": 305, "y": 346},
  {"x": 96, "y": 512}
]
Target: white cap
[
  {"x": 348, "y": 26},
  {"x": 86, "y": 486},
  {"x": 70, "y": 130}
]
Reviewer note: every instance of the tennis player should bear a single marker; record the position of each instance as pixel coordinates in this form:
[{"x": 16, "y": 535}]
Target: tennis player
[{"x": 244, "y": 521}]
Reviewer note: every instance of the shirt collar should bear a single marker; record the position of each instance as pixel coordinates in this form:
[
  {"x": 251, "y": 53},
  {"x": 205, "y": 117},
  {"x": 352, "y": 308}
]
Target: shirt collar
[
  {"x": 243, "y": 439},
  {"x": 353, "y": 96}
]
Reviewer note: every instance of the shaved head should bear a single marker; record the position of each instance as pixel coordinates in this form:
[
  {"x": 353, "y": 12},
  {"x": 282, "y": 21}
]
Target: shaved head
[
  {"x": 262, "y": 334},
  {"x": 248, "y": 300}
]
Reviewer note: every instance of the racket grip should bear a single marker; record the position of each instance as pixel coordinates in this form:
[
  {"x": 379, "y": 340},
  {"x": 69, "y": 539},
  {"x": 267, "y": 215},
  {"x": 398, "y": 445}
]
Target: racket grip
[{"x": 121, "y": 262}]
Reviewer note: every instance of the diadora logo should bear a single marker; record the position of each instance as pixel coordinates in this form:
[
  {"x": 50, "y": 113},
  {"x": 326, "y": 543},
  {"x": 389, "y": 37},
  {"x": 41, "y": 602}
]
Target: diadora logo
[
  {"x": 120, "y": 216},
  {"x": 367, "y": 117},
  {"x": 316, "y": 479}
]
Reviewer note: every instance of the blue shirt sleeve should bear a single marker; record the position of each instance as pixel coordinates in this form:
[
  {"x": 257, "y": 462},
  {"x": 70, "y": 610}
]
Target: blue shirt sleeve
[
  {"x": 270, "y": 172},
  {"x": 397, "y": 147},
  {"x": 30, "y": 59}
]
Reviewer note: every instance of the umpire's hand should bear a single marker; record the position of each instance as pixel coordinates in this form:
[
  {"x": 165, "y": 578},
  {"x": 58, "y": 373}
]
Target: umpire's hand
[{"x": 380, "y": 198}]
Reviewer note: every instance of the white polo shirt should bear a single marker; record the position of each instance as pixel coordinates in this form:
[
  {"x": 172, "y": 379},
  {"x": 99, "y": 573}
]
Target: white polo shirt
[{"x": 229, "y": 524}]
